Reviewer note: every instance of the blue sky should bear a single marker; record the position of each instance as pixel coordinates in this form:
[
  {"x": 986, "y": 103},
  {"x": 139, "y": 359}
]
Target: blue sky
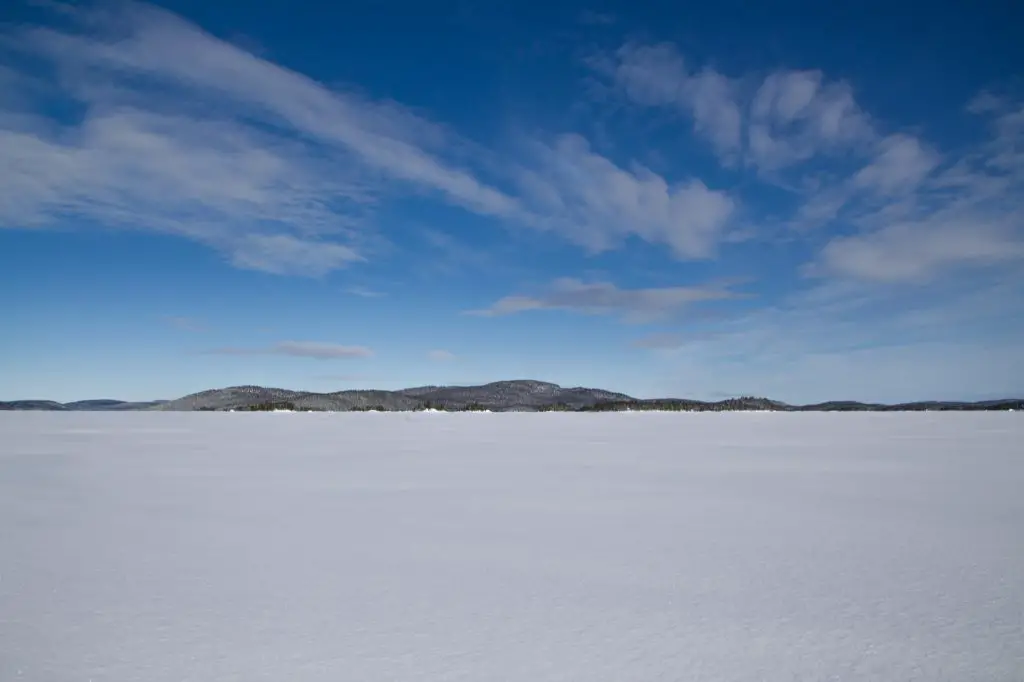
[{"x": 668, "y": 199}]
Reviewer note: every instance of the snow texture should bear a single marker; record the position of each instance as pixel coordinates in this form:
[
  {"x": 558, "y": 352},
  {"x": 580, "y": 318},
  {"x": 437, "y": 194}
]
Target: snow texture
[{"x": 613, "y": 547}]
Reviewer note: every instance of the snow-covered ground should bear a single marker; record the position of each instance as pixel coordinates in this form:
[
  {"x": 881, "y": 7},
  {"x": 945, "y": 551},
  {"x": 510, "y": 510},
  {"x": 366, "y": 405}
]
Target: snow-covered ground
[{"x": 536, "y": 547}]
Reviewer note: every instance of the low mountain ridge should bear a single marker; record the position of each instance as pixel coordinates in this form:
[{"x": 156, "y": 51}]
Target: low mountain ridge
[
  {"x": 520, "y": 395},
  {"x": 517, "y": 395},
  {"x": 106, "y": 404},
  {"x": 499, "y": 396},
  {"x": 96, "y": 405},
  {"x": 34, "y": 405}
]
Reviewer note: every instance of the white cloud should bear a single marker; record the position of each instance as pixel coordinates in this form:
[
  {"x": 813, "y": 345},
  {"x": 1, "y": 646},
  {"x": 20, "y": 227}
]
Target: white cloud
[
  {"x": 598, "y": 204},
  {"x": 302, "y": 349},
  {"x": 899, "y": 211},
  {"x": 439, "y": 355},
  {"x": 149, "y": 41},
  {"x": 604, "y": 298},
  {"x": 286, "y": 255},
  {"x": 790, "y": 118},
  {"x": 916, "y": 252},
  {"x": 185, "y": 134},
  {"x": 320, "y": 350},
  {"x": 259, "y": 199},
  {"x": 932, "y": 219},
  {"x": 797, "y": 115},
  {"x": 657, "y": 75},
  {"x": 901, "y": 164},
  {"x": 898, "y": 165},
  {"x": 715, "y": 112}
]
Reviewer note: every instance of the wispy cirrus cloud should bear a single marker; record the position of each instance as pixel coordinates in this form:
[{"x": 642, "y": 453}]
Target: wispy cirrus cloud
[
  {"x": 901, "y": 162},
  {"x": 599, "y": 204},
  {"x": 789, "y": 118},
  {"x": 285, "y": 254},
  {"x": 364, "y": 292},
  {"x": 797, "y": 115},
  {"x": 260, "y": 200},
  {"x": 895, "y": 169},
  {"x": 186, "y": 134},
  {"x": 916, "y": 251},
  {"x": 440, "y": 355},
  {"x": 899, "y": 209},
  {"x": 658, "y": 75},
  {"x": 605, "y": 298},
  {"x": 144, "y": 40},
  {"x": 183, "y": 133},
  {"x": 934, "y": 217},
  {"x": 317, "y": 350},
  {"x": 177, "y": 131}
]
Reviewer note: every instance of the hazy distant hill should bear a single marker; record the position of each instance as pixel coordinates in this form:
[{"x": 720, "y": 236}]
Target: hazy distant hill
[
  {"x": 922, "y": 406},
  {"x": 47, "y": 405},
  {"x": 510, "y": 395},
  {"x": 499, "y": 396},
  {"x": 105, "y": 404},
  {"x": 683, "y": 405},
  {"x": 245, "y": 397},
  {"x": 98, "y": 405}
]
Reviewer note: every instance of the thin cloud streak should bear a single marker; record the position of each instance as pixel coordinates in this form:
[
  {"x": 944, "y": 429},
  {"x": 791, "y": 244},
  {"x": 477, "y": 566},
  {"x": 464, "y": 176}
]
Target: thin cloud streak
[
  {"x": 605, "y": 298},
  {"x": 301, "y": 349}
]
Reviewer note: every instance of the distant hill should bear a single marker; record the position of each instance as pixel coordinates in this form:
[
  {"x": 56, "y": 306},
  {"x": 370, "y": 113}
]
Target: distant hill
[
  {"x": 746, "y": 404},
  {"x": 252, "y": 397},
  {"x": 923, "y": 406},
  {"x": 510, "y": 396},
  {"x": 499, "y": 396},
  {"x": 99, "y": 405},
  {"x": 104, "y": 404},
  {"x": 47, "y": 405}
]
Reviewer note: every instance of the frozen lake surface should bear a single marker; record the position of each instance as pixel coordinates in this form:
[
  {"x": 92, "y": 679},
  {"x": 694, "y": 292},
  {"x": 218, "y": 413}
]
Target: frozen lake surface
[{"x": 535, "y": 547}]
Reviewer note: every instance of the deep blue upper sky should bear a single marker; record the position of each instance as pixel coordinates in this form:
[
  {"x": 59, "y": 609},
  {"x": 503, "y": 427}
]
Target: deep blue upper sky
[{"x": 788, "y": 199}]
